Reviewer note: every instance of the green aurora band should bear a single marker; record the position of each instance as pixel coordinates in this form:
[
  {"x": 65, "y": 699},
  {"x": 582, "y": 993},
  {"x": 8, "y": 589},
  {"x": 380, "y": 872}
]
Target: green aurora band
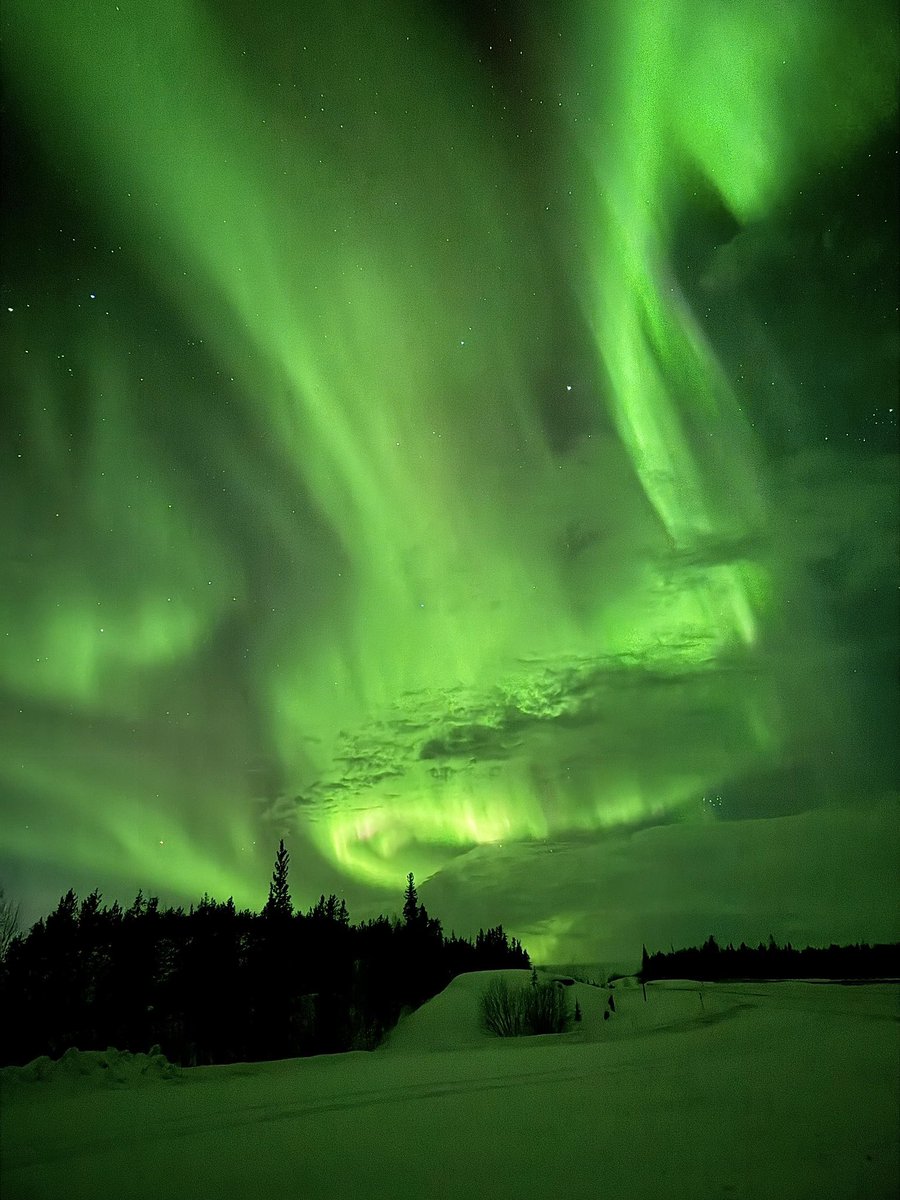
[{"x": 444, "y": 616}]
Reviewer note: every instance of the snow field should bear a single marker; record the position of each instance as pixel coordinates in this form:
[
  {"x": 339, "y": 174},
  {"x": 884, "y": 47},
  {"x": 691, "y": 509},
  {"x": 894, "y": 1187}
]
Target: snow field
[{"x": 761, "y": 1090}]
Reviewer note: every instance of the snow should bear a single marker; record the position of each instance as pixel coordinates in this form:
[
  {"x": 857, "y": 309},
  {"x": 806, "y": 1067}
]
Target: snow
[{"x": 764, "y": 1090}]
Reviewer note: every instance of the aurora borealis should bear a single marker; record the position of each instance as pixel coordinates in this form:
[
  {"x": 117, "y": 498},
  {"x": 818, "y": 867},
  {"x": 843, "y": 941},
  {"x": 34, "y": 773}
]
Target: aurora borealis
[{"x": 446, "y": 436}]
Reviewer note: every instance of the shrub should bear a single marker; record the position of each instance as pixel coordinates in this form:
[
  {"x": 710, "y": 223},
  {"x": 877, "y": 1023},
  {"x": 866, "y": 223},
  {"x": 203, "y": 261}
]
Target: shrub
[
  {"x": 502, "y": 1009},
  {"x": 547, "y": 1010},
  {"x": 512, "y": 1011}
]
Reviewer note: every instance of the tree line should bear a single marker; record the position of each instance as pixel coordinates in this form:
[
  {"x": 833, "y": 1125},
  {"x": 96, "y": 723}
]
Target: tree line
[
  {"x": 215, "y": 984},
  {"x": 768, "y": 960}
]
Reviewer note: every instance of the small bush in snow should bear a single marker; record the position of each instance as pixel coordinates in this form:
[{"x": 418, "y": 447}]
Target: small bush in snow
[
  {"x": 502, "y": 1008},
  {"x": 548, "y": 1010},
  {"x": 512, "y": 1011}
]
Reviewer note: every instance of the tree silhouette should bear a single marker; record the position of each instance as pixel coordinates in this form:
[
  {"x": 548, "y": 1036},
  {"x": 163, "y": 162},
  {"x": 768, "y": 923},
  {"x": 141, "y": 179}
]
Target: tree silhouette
[
  {"x": 410, "y": 902},
  {"x": 279, "y": 901},
  {"x": 771, "y": 961},
  {"x": 9, "y": 922},
  {"x": 217, "y": 985}
]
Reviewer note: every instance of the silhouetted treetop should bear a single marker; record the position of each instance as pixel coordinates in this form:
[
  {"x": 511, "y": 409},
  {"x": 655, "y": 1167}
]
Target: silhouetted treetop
[{"x": 279, "y": 901}]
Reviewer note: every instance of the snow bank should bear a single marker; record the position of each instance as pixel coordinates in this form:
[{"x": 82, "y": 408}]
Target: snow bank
[
  {"x": 451, "y": 1021},
  {"x": 108, "y": 1066}
]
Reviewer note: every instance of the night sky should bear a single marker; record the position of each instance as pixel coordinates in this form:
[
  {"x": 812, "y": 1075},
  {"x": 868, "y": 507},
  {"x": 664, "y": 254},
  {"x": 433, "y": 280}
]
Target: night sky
[{"x": 461, "y": 439}]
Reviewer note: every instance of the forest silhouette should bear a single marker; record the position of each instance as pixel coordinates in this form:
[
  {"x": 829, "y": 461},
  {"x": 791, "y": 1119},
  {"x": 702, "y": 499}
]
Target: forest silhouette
[
  {"x": 768, "y": 960},
  {"x": 215, "y": 984}
]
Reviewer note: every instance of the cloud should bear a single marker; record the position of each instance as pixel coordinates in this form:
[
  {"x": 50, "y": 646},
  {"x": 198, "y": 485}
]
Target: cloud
[{"x": 820, "y": 876}]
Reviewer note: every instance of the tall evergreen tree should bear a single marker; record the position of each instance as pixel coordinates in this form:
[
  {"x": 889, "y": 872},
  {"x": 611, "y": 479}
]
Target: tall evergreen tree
[
  {"x": 411, "y": 901},
  {"x": 279, "y": 901}
]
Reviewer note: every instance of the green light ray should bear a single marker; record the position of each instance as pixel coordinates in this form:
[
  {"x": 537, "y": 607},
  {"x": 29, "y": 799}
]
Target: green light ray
[
  {"x": 126, "y": 820},
  {"x": 138, "y": 594}
]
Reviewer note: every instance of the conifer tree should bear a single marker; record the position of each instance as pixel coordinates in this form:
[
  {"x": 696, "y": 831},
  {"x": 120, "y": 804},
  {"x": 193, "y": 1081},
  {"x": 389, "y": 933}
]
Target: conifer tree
[
  {"x": 279, "y": 902},
  {"x": 411, "y": 901}
]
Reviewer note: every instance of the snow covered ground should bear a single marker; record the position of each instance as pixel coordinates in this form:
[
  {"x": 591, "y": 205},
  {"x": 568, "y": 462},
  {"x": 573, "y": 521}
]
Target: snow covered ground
[{"x": 733, "y": 1090}]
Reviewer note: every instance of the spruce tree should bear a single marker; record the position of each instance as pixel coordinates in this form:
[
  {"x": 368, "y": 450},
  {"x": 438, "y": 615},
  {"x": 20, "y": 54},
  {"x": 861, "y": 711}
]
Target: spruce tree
[
  {"x": 279, "y": 902},
  {"x": 411, "y": 902}
]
